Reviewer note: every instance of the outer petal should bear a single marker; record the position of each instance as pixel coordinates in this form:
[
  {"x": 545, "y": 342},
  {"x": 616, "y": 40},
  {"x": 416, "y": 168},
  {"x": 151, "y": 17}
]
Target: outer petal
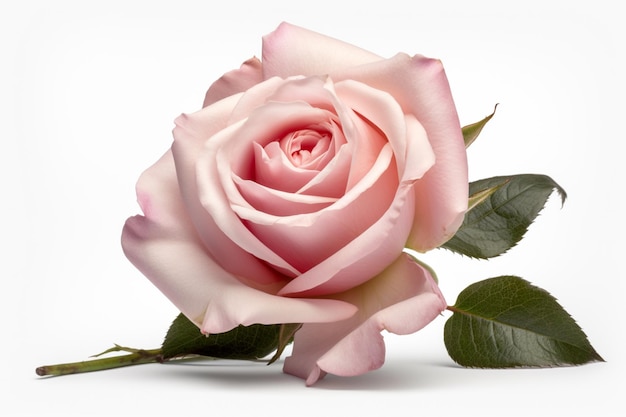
[
  {"x": 409, "y": 140},
  {"x": 159, "y": 199},
  {"x": 204, "y": 292},
  {"x": 191, "y": 134},
  {"x": 402, "y": 300},
  {"x": 163, "y": 245},
  {"x": 236, "y": 81},
  {"x": 442, "y": 195},
  {"x": 292, "y": 50},
  {"x": 421, "y": 87}
]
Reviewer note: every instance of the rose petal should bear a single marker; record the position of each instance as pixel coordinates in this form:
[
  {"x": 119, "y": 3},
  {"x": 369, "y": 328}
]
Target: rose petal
[
  {"x": 164, "y": 214},
  {"x": 159, "y": 198},
  {"x": 319, "y": 235},
  {"x": 190, "y": 135},
  {"x": 421, "y": 88},
  {"x": 204, "y": 291},
  {"x": 332, "y": 180},
  {"x": 314, "y": 90},
  {"x": 213, "y": 181},
  {"x": 364, "y": 257},
  {"x": 252, "y": 307},
  {"x": 384, "y": 112},
  {"x": 292, "y": 50},
  {"x": 366, "y": 142},
  {"x": 377, "y": 246},
  {"x": 255, "y": 97},
  {"x": 235, "y": 81},
  {"x": 402, "y": 300},
  {"x": 279, "y": 203},
  {"x": 164, "y": 246},
  {"x": 271, "y": 165}
]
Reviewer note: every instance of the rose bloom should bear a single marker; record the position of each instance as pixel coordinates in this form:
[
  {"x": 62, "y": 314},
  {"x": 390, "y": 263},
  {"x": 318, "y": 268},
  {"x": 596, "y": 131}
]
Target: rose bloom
[{"x": 291, "y": 195}]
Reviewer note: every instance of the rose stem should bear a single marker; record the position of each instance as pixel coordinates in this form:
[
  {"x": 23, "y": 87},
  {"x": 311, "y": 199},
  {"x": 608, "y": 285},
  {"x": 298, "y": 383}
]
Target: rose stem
[{"x": 138, "y": 357}]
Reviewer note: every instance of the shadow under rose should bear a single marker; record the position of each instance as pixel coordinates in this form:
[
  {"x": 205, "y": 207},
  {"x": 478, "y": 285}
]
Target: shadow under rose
[
  {"x": 242, "y": 374},
  {"x": 395, "y": 375}
]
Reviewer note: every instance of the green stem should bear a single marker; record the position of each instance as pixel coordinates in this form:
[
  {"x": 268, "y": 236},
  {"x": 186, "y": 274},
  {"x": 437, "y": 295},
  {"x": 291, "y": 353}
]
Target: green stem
[{"x": 137, "y": 357}]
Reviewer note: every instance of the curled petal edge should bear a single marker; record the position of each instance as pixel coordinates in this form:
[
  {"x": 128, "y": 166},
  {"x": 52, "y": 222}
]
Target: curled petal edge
[
  {"x": 204, "y": 292},
  {"x": 402, "y": 300}
]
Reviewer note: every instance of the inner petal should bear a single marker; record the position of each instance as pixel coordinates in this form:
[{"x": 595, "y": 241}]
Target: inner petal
[
  {"x": 320, "y": 234},
  {"x": 273, "y": 169},
  {"x": 331, "y": 181},
  {"x": 279, "y": 203},
  {"x": 305, "y": 147},
  {"x": 289, "y": 164}
]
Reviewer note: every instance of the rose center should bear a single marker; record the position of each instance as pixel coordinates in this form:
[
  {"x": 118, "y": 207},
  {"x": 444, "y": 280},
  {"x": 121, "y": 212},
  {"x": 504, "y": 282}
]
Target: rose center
[{"x": 305, "y": 146}]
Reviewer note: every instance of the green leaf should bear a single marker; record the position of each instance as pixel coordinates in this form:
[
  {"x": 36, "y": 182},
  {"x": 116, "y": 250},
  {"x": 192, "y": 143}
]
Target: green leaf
[
  {"x": 501, "y": 210},
  {"x": 506, "y": 322},
  {"x": 471, "y": 132},
  {"x": 243, "y": 342}
]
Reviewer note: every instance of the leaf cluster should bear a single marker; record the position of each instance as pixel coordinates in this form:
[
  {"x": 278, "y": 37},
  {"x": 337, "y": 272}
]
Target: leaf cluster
[{"x": 506, "y": 322}]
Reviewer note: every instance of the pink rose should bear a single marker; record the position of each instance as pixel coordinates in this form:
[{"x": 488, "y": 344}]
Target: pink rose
[{"x": 290, "y": 196}]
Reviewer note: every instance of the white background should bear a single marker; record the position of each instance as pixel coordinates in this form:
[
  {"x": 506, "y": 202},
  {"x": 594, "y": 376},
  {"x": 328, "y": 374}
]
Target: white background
[{"x": 88, "y": 94}]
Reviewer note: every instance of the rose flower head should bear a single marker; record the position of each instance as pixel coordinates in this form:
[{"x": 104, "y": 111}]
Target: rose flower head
[{"x": 291, "y": 196}]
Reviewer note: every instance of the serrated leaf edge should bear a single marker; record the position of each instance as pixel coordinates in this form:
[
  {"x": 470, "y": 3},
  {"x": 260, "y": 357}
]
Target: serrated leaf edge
[{"x": 594, "y": 355}]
